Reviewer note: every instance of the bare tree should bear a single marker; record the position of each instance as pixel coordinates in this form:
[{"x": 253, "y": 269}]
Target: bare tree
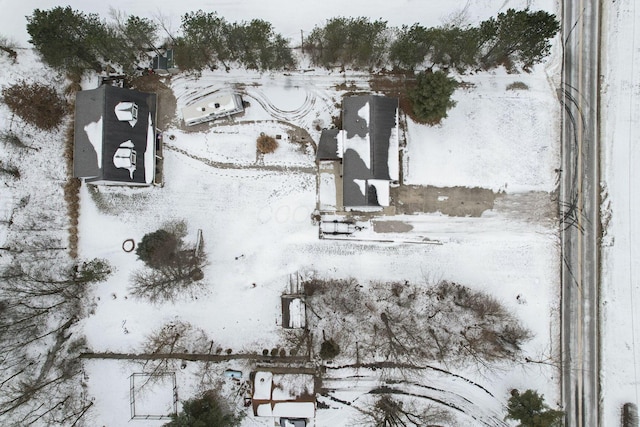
[
  {"x": 411, "y": 324},
  {"x": 174, "y": 337},
  {"x": 389, "y": 410},
  {"x": 40, "y": 304}
]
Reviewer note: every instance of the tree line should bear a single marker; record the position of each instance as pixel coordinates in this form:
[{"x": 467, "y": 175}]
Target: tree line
[
  {"x": 514, "y": 38},
  {"x": 73, "y": 40}
]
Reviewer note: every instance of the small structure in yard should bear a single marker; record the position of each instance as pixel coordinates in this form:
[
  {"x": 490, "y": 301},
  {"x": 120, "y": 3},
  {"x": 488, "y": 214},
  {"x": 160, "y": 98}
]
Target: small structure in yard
[
  {"x": 293, "y": 312},
  {"x": 153, "y": 396},
  {"x": 367, "y": 150},
  {"x": 293, "y": 306},
  {"x": 115, "y": 137},
  {"x": 222, "y": 104},
  {"x": 334, "y": 227},
  {"x": 292, "y": 422},
  {"x": 286, "y": 397},
  {"x": 233, "y": 374},
  {"x": 162, "y": 62}
]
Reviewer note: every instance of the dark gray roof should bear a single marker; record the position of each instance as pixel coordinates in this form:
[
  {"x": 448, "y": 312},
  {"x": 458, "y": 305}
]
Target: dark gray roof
[
  {"x": 163, "y": 60},
  {"x": 328, "y": 145},
  {"x": 382, "y": 121},
  {"x": 91, "y": 106}
]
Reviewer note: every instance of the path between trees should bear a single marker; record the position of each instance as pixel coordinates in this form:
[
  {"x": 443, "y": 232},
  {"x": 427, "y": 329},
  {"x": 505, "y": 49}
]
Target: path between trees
[{"x": 193, "y": 357}]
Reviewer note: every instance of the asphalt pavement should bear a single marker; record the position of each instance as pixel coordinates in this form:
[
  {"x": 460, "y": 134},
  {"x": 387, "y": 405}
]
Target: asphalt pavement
[{"x": 580, "y": 198}]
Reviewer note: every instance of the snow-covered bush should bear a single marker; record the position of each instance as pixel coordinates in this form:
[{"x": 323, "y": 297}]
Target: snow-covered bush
[{"x": 408, "y": 323}]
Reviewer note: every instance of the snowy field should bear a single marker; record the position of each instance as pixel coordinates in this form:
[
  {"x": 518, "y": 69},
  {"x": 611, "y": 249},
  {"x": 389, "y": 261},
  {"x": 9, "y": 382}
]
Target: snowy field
[
  {"x": 621, "y": 207},
  {"x": 255, "y": 217},
  {"x": 494, "y": 138}
]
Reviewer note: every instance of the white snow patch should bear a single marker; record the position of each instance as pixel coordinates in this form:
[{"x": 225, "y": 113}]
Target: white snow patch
[
  {"x": 94, "y": 133},
  {"x": 382, "y": 190},
  {"x": 150, "y": 154}
]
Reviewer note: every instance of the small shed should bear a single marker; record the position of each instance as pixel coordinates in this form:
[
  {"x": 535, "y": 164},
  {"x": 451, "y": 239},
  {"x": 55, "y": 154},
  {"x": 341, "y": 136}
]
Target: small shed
[
  {"x": 293, "y": 312},
  {"x": 163, "y": 63}
]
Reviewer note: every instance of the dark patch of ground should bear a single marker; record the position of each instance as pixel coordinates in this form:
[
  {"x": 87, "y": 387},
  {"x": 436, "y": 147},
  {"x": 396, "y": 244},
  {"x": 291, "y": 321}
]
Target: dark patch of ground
[
  {"x": 452, "y": 201},
  {"x": 166, "y": 113}
]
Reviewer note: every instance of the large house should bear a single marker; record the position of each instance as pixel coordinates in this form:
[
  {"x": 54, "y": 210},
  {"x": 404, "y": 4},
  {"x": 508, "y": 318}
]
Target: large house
[
  {"x": 367, "y": 149},
  {"x": 115, "y": 136}
]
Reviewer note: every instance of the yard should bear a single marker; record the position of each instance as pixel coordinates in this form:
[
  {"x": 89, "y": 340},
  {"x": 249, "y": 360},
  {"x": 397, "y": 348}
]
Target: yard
[{"x": 255, "y": 218}]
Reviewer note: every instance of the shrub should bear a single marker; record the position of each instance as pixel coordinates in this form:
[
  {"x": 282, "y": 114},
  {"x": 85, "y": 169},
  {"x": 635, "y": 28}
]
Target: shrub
[
  {"x": 266, "y": 144},
  {"x": 431, "y": 99},
  {"x": 36, "y": 104},
  {"x": 517, "y": 86},
  {"x": 10, "y": 170},
  {"x": 158, "y": 248},
  {"x": 329, "y": 349},
  {"x": 529, "y": 408},
  {"x": 207, "y": 410}
]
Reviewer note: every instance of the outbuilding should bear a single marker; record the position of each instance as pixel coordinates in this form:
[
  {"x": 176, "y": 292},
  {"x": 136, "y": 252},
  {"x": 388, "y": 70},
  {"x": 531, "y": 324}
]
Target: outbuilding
[{"x": 222, "y": 104}]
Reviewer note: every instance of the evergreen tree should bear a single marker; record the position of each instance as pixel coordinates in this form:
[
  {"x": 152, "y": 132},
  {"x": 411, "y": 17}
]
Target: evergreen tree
[
  {"x": 517, "y": 36},
  {"x": 329, "y": 349},
  {"x": 529, "y": 408},
  {"x": 204, "y": 43},
  {"x": 158, "y": 249},
  {"x": 66, "y": 38},
  {"x": 431, "y": 99},
  {"x": 411, "y": 46},
  {"x": 204, "y": 411},
  {"x": 456, "y": 47},
  {"x": 348, "y": 41}
]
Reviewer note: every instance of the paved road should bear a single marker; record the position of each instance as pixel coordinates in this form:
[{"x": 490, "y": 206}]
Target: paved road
[{"x": 580, "y": 197}]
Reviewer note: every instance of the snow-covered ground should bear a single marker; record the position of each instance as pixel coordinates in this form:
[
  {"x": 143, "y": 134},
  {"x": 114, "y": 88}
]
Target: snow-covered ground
[
  {"x": 621, "y": 207},
  {"x": 255, "y": 215},
  {"x": 263, "y": 218},
  {"x": 488, "y": 135}
]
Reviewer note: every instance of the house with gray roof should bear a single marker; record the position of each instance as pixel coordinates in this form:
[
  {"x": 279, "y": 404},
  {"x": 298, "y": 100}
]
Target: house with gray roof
[
  {"x": 115, "y": 136},
  {"x": 368, "y": 150}
]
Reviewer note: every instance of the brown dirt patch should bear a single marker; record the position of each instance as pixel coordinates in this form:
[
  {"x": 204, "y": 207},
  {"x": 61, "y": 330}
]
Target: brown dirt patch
[
  {"x": 452, "y": 201},
  {"x": 166, "y": 113},
  {"x": 534, "y": 206},
  {"x": 398, "y": 86},
  {"x": 391, "y": 227}
]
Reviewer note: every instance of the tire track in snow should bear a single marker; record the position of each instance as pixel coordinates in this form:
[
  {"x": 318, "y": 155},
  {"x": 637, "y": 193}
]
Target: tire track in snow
[
  {"x": 445, "y": 395},
  {"x": 285, "y": 115}
]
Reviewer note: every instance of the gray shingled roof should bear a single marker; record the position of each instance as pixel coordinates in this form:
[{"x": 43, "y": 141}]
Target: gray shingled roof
[
  {"x": 382, "y": 121},
  {"x": 91, "y": 106},
  {"x": 328, "y": 145}
]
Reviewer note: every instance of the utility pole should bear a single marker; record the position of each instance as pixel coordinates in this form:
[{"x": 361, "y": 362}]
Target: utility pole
[{"x": 302, "y": 40}]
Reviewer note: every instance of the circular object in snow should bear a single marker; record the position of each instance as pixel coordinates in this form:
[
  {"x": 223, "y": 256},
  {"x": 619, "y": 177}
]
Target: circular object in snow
[{"x": 128, "y": 245}]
